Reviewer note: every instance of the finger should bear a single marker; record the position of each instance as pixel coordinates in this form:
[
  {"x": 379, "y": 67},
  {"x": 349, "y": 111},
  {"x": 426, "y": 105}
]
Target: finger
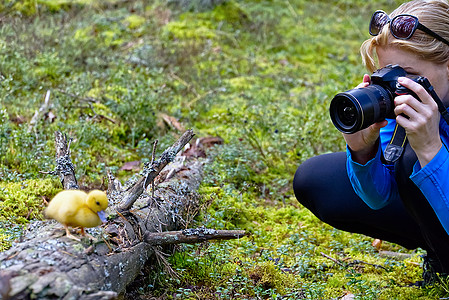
[
  {"x": 408, "y": 100},
  {"x": 366, "y": 81},
  {"x": 362, "y": 85},
  {"x": 380, "y": 124},
  {"x": 413, "y": 108},
  {"x": 411, "y": 126},
  {"x": 411, "y": 119},
  {"x": 406, "y": 111},
  {"x": 418, "y": 89},
  {"x": 366, "y": 78}
]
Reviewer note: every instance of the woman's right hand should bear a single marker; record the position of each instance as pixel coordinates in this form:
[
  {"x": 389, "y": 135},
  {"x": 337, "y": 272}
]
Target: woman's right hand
[{"x": 363, "y": 144}]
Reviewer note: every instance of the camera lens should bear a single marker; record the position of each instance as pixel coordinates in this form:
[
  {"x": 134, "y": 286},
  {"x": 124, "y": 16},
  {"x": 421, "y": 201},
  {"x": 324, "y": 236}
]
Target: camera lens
[
  {"x": 347, "y": 113},
  {"x": 357, "y": 109}
]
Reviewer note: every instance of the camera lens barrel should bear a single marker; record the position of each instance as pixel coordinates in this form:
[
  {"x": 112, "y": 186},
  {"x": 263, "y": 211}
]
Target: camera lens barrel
[{"x": 359, "y": 108}]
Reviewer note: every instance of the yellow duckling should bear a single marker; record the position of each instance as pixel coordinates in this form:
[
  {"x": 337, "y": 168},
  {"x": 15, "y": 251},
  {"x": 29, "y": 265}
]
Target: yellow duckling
[{"x": 75, "y": 208}]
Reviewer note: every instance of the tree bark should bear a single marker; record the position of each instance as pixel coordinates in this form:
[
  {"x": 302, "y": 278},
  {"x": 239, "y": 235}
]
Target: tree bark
[{"x": 45, "y": 264}]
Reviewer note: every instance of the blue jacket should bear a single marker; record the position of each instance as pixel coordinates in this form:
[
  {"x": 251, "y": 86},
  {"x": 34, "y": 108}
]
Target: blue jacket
[{"x": 375, "y": 183}]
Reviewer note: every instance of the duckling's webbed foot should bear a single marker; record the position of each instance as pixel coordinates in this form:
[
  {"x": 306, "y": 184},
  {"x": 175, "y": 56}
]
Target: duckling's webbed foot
[
  {"x": 85, "y": 234},
  {"x": 69, "y": 235}
]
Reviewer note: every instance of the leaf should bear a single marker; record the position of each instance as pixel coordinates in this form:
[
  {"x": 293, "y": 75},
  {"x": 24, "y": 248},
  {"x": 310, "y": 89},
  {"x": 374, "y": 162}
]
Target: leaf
[
  {"x": 172, "y": 122},
  {"x": 131, "y": 166}
]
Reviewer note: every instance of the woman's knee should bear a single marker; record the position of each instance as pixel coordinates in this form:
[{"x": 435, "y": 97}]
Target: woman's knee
[
  {"x": 315, "y": 179},
  {"x": 302, "y": 184}
]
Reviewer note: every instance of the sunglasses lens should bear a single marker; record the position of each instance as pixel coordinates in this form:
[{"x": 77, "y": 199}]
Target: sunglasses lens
[
  {"x": 378, "y": 20},
  {"x": 402, "y": 27}
]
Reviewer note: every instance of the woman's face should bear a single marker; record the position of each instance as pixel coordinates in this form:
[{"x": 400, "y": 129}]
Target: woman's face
[{"x": 437, "y": 74}]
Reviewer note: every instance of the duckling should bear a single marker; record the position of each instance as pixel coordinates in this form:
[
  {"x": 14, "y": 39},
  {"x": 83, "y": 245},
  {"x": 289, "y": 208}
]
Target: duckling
[{"x": 75, "y": 208}]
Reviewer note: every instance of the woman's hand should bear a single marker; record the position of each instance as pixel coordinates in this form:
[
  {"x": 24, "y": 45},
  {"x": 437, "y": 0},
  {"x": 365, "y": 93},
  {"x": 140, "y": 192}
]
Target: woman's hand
[
  {"x": 421, "y": 120},
  {"x": 363, "y": 143}
]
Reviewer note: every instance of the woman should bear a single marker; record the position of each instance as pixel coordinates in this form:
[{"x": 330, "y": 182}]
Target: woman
[{"x": 406, "y": 202}]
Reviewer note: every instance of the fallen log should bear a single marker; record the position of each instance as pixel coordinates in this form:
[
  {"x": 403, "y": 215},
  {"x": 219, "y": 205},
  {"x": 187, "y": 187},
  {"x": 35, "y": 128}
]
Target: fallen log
[{"x": 45, "y": 264}]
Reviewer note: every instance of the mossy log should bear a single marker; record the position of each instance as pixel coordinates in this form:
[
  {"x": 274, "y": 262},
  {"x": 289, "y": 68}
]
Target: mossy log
[{"x": 45, "y": 264}]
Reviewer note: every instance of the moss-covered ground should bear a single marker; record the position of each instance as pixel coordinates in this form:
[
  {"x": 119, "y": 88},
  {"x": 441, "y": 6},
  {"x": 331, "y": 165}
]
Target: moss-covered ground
[{"x": 260, "y": 74}]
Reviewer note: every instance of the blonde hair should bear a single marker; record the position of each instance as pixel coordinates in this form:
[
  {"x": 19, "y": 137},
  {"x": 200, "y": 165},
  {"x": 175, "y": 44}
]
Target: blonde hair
[{"x": 434, "y": 14}]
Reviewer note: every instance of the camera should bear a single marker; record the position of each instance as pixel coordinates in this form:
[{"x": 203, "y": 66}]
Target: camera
[{"x": 359, "y": 108}]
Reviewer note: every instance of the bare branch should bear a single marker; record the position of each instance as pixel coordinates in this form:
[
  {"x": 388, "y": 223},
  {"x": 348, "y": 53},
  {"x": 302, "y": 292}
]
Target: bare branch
[
  {"x": 64, "y": 169},
  {"x": 191, "y": 236},
  {"x": 333, "y": 259},
  {"x": 133, "y": 193},
  {"x": 38, "y": 114}
]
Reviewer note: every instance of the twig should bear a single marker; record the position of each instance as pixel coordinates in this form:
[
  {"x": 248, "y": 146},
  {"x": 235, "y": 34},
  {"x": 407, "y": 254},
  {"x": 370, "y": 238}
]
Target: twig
[
  {"x": 151, "y": 163},
  {"x": 333, "y": 259},
  {"x": 190, "y": 87},
  {"x": 41, "y": 111},
  {"x": 191, "y": 236},
  {"x": 354, "y": 262},
  {"x": 160, "y": 256},
  {"x": 153, "y": 153},
  {"x": 85, "y": 99}
]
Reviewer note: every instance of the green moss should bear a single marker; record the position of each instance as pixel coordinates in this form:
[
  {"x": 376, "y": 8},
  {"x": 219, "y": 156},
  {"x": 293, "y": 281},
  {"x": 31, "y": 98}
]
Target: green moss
[
  {"x": 50, "y": 66},
  {"x": 134, "y": 21},
  {"x": 23, "y": 201},
  {"x": 267, "y": 276},
  {"x": 230, "y": 12},
  {"x": 20, "y": 203},
  {"x": 83, "y": 34},
  {"x": 5, "y": 241},
  {"x": 187, "y": 30},
  {"x": 110, "y": 38},
  {"x": 242, "y": 83},
  {"x": 33, "y": 7},
  {"x": 28, "y": 7}
]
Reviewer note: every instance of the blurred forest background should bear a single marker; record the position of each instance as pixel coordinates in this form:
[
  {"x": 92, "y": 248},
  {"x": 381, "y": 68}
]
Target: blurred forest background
[{"x": 259, "y": 74}]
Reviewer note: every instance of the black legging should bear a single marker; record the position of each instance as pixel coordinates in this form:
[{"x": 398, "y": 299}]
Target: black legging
[{"x": 322, "y": 185}]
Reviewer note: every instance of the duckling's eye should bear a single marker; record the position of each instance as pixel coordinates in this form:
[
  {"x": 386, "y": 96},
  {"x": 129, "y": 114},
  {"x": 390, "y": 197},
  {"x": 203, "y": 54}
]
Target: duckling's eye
[{"x": 98, "y": 203}]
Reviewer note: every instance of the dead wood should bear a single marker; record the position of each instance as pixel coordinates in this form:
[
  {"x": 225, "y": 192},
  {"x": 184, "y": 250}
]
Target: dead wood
[
  {"x": 44, "y": 110},
  {"x": 394, "y": 255},
  {"x": 64, "y": 166},
  {"x": 191, "y": 236},
  {"x": 45, "y": 264}
]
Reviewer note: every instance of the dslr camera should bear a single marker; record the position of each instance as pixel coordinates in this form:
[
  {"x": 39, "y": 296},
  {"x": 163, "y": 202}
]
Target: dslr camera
[{"x": 359, "y": 108}]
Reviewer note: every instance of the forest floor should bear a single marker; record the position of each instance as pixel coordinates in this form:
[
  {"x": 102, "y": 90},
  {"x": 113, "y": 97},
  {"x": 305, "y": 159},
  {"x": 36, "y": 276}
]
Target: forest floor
[{"x": 258, "y": 74}]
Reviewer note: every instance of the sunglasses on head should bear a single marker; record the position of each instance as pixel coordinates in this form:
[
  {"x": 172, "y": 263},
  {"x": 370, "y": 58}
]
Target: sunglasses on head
[{"x": 401, "y": 27}]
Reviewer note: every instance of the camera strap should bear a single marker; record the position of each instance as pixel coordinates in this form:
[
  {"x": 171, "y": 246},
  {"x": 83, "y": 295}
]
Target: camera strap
[
  {"x": 441, "y": 108},
  {"x": 396, "y": 145}
]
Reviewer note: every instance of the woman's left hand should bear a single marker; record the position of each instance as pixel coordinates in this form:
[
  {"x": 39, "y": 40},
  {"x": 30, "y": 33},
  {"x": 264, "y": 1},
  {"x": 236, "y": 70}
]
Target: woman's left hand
[{"x": 422, "y": 124}]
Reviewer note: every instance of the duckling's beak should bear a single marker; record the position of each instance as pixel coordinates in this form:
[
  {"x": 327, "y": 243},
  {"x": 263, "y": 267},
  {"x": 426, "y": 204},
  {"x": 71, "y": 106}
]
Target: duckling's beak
[{"x": 102, "y": 216}]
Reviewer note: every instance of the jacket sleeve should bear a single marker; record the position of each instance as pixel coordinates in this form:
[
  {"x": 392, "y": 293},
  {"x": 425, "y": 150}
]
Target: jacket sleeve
[
  {"x": 373, "y": 182},
  {"x": 433, "y": 181}
]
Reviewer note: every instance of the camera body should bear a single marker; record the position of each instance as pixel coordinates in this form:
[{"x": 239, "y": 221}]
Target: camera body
[{"x": 359, "y": 108}]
